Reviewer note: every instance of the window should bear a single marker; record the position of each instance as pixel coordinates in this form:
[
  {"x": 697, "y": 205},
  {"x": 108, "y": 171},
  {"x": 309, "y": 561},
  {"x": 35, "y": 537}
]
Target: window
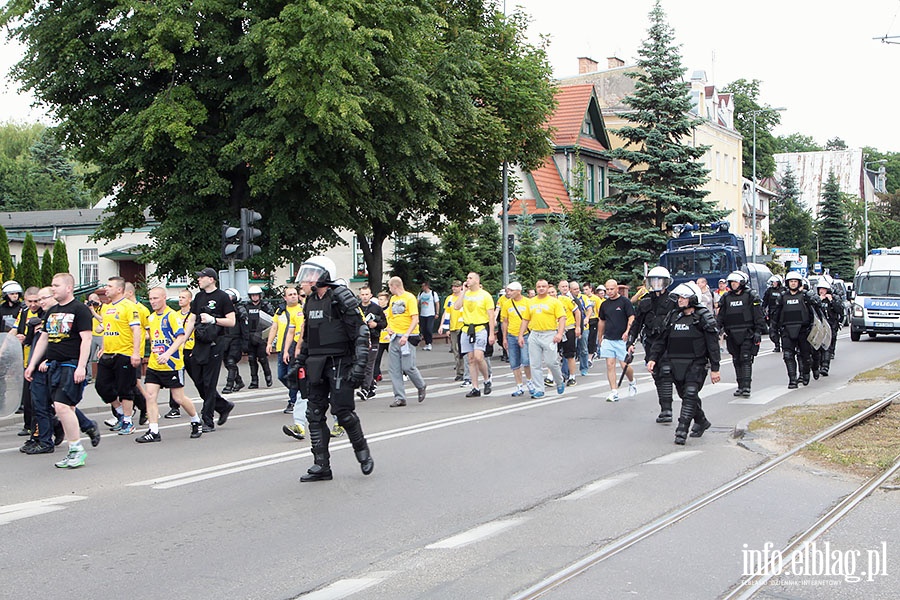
[
  {"x": 718, "y": 165},
  {"x": 590, "y": 184},
  {"x": 587, "y": 128},
  {"x": 601, "y": 184},
  {"x": 735, "y": 175},
  {"x": 90, "y": 271},
  {"x": 360, "y": 271},
  {"x": 182, "y": 280}
]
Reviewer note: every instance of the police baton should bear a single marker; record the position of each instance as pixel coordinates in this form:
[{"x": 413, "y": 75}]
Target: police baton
[{"x": 628, "y": 358}]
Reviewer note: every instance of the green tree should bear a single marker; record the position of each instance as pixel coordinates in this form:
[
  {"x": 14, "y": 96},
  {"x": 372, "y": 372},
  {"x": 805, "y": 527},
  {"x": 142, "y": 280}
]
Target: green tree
[
  {"x": 487, "y": 252},
  {"x": 835, "y": 143},
  {"x": 60, "y": 257},
  {"x": 47, "y": 271},
  {"x": 415, "y": 262},
  {"x": 551, "y": 252},
  {"x": 884, "y": 232},
  {"x": 791, "y": 224},
  {"x": 796, "y": 142},
  {"x": 835, "y": 247},
  {"x": 662, "y": 184},
  {"x": 29, "y": 271},
  {"x": 7, "y": 269},
  {"x": 365, "y": 115},
  {"x": 528, "y": 265},
  {"x": 455, "y": 259},
  {"x": 746, "y": 104}
]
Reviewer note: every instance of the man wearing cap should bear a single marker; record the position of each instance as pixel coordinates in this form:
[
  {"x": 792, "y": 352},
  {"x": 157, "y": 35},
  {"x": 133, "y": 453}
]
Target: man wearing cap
[
  {"x": 513, "y": 308},
  {"x": 211, "y": 311}
]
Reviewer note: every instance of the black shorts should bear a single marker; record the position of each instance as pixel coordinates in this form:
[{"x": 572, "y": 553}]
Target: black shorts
[
  {"x": 567, "y": 346},
  {"x": 116, "y": 378},
  {"x": 61, "y": 383},
  {"x": 165, "y": 379}
]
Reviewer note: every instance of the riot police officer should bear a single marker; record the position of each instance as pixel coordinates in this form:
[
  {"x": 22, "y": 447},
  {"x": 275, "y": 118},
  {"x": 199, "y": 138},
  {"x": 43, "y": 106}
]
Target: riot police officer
[
  {"x": 333, "y": 355},
  {"x": 233, "y": 343},
  {"x": 691, "y": 341},
  {"x": 648, "y": 326},
  {"x": 11, "y": 305},
  {"x": 771, "y": 300},
  {"x": 256, "y": 345},
  {"x": 833, "y": 312},
  {"x": 795, "y": 320},
  {"x": 741, "y": 318}
]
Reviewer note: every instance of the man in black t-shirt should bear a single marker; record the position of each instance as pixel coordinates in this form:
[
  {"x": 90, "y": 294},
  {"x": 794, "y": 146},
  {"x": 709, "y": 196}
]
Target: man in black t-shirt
[
  {"x": 211, "y": 310},
  {"x": 616, "y": 316},
  {"x": 58, "y": 365}
]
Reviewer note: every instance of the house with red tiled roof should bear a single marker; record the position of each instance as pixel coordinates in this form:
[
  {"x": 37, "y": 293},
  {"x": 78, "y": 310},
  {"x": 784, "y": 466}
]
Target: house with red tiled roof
[{"x": 577, "y": 168}]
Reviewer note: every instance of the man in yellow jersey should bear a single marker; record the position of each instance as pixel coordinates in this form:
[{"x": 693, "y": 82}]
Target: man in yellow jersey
[
  {"x": 24, "y": 330},
  {"x": 573, "y": 332},
  {"x": 281, "y": 341},
  {"x": 403, "y": 328},
  {"x": 122, "y": 354},
  {"x": 184, "y": 309},
  {"x": 140, "y": 400},
  {"x": 513, "y": 307},
  {"x": 451, "y": 322},
  {"x": 479, "y": 318},
  {"x": 545, "y": 318},
  {"x": 166, "y": 366}
]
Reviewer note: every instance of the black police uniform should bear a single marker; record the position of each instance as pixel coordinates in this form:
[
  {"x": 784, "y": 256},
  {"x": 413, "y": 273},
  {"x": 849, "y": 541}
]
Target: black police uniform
[
  {"x": 794, "y": 321},
  {"x": 256, "y": 346},
  {"x": 649, "y": 326},
  {"x": 833, "y": 313},
  {"x": 691, "y": 342},
  {"x": 741, "y": 318},
  {"x": 233, "y": 344},
  {"x": 9, "y": 312},
  {"x": 771, "y": 301},
  {"x": 333, "y": 352}
]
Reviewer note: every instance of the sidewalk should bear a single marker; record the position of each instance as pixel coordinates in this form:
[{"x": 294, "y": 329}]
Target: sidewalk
[{"x": 438, "y": 358}]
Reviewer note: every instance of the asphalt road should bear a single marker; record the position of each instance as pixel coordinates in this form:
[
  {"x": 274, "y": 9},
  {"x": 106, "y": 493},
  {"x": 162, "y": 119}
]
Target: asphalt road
[{"x": 470, "y": 498}]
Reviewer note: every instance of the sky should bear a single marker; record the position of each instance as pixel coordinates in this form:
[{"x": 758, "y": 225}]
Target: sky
[{"x": 816, "y": 59}]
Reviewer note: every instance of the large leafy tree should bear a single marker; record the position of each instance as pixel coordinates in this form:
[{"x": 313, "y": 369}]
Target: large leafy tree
[
  {"x": 746, "y": 105},
  {"x": 662, "y": 185},
  {"x": 796, "y": 142},
  {"x": 835, "y": 247},
  {"x": 320, "y": 115},
  {"x": 791, "y": 224}
]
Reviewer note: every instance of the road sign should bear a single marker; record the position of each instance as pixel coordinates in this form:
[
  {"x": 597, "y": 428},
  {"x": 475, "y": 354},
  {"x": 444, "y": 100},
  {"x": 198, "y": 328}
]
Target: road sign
[
  {"x": 786, "y": 254},
  {"x": 817, "y": 268}
]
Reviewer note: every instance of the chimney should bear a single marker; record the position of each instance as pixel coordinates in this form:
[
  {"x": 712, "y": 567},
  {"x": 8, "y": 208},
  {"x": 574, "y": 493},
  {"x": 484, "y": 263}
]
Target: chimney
[
  {"x": 614, "y": 62},
  {"x": 587, "y": 65}
]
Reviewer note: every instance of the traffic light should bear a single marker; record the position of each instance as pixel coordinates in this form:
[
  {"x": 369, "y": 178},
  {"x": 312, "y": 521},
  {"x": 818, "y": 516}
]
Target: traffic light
[
  {"x": 249, "y": 233},
  {"x": 231, "y": 243},
  {"x": 511, "y": 243}
]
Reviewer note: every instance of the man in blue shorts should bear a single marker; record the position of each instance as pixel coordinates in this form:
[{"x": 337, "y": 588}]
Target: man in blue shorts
[{"x": 616, "y": 316}]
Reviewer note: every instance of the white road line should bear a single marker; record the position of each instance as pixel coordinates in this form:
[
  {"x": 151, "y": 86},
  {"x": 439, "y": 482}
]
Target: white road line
[
  {"x": 14, "y": 512},
  {"x": 763, "y": 396},
  {"x": 346, "y": 587},
  {"x": 598, "y": 486},
  {"x": 476, "y": 534},
  {"x": 674, "y": 457}
]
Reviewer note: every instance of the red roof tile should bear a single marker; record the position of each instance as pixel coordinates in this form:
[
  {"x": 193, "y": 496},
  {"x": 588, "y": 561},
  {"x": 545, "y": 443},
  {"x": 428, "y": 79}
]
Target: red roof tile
[{"x": 568, "y": 118}]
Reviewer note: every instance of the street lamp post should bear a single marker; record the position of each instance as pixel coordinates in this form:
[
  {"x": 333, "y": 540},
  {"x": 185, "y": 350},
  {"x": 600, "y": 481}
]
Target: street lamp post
[
  {"x": 866, "y": 205},
  {"x": 753, "y": 113}
]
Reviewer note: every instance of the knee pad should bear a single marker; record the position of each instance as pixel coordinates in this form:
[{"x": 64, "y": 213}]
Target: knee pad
[
  {"x": 347, "y": 420},
  {"x": 788, "y": 355},
  {"x": 691, "y": 392}
]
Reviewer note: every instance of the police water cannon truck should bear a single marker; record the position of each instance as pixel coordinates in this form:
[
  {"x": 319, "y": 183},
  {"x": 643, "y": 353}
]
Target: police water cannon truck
[
  {"x": 710, "y": 251},
  {"x": 876, "y": 295}
]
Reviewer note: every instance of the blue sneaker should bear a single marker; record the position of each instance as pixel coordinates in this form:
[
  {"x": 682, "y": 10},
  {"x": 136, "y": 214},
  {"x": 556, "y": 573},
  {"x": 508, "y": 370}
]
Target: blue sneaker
[
  {"x": 584, "y": 372},
  {"x": 537, "y": 395},
  {"x": 518, "y": 392},
  {"x": 118, "y": 425},
  {"x": 561, "y": 388},
  {"x": 126, "y": 429}
]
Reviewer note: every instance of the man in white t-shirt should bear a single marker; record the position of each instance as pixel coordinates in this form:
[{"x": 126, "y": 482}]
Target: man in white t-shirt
[{"x": 428, "y": 303}]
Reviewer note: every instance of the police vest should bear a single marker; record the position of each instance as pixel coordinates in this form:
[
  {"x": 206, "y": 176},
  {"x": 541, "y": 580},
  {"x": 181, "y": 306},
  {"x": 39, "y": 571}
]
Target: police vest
[
  {"x": 325, "y": 331},
  {"x": 687, "y": 338},
  {"x": 773, "y": 297},
  {"x": 654, "y": 309},
  {"x": 794, "y": 309},
  {"x": 738, "y": 310}
]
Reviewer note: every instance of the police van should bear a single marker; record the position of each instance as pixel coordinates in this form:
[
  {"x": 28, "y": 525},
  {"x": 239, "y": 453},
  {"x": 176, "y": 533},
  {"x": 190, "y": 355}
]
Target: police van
[{"x": 876, "y": 295}]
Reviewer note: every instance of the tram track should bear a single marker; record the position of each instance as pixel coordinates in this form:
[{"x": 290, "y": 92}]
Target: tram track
[{"x": 740, "y": 589}]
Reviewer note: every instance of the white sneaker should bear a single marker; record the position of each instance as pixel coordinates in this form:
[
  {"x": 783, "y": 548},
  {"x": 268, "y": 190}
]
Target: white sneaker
[
  {"x": 428, "y": 347},
  {"x": 613, "y": 396},
  {"x": 632, "y": 389}
]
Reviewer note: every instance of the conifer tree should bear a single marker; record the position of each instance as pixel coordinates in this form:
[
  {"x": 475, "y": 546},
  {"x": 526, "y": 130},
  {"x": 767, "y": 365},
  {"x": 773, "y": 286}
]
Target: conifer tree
[
  {"x": 29, "y": 272},
  {"x": 790, "y": 222},
  {"x": 7, "y": 269},
  {"x": 835, "y": 248},
  {"x": 60, "y": 258},
  {"x": 662, "y": 185},
  {"x": 550, "y": 253},
  {"x": 528, "y": 265},
  {"x": 47, "y": 271}
]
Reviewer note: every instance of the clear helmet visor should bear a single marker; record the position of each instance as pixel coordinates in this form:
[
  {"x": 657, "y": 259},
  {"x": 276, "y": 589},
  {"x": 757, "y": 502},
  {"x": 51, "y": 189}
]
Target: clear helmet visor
[
  {"x": 658, "y": 284},
  {"x": 310, "y": 273}
]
